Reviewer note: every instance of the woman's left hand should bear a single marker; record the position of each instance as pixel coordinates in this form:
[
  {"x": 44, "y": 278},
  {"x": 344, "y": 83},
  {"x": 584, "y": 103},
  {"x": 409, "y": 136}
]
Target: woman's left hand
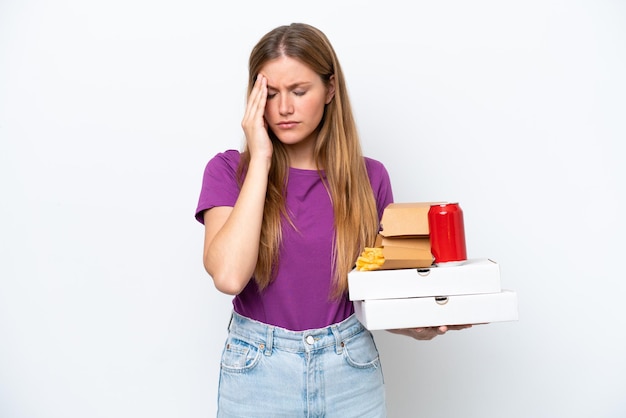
[{"x": 428, "y": 333}]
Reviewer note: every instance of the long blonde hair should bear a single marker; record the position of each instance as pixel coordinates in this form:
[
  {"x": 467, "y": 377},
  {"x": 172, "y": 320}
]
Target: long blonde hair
[{"x": 337, "y": 152}]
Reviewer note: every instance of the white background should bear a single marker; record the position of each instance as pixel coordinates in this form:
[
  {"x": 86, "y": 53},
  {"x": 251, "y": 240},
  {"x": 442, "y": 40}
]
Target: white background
[{"x": 109, "y": 111}]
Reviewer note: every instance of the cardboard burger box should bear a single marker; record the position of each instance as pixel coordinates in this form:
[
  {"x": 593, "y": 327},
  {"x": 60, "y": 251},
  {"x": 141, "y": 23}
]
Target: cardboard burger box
[
  {"x": 482, "y": 308},
  {"x": 471, "y": 277},
  {"x": 404, "y": 236}
]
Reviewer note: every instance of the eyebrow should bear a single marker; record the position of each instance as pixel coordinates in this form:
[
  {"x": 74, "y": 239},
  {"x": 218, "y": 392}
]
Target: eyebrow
[{"x": 292, "y": 86}]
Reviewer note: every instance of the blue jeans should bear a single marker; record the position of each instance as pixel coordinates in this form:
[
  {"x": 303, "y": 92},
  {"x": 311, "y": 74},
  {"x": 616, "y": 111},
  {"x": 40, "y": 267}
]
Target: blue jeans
[{"x": 272, "y": 372}]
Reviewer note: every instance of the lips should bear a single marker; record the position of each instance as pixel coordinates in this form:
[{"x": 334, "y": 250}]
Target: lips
[{"x": 287, "y": 124}]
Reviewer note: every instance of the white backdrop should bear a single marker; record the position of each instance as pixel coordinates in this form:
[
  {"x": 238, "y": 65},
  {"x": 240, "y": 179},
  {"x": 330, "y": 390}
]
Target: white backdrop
[{"x": 109, "y": 111}]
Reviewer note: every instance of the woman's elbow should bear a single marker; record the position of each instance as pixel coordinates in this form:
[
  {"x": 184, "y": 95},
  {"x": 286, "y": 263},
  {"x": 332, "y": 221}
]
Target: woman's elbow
[
  {"x": 226, "y": 283},
  {"x": 228, "y": 287}
]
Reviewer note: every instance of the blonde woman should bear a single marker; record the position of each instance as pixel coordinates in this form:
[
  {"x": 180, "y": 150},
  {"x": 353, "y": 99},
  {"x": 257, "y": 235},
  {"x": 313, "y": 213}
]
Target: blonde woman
[{"x": 285, "y": 220}]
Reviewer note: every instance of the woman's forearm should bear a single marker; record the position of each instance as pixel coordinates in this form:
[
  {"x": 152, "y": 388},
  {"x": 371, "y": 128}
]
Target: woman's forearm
[{"x": 232, "y": 241}]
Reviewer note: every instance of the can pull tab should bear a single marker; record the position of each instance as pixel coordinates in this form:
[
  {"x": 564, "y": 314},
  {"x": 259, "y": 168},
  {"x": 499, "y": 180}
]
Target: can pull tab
[
  {"x": 441, "y": 300},
  {"x": 423, "y": 272}
]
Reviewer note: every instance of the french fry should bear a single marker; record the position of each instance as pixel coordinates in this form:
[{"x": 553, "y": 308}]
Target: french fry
[{"x": 370, "y": 259}]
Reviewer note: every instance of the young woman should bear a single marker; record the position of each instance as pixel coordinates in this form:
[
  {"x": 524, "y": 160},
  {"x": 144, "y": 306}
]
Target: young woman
[{"x": 285, "y": 220}]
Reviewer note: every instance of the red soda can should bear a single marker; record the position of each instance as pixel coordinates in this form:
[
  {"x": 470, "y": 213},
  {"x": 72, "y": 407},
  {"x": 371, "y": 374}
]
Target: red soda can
[{"x": 447, "y": 233}]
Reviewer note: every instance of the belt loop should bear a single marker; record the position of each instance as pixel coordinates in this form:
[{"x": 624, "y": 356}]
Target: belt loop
[
  {"x": 338, "y": 342},
  {"x": 269, "y": 341}
]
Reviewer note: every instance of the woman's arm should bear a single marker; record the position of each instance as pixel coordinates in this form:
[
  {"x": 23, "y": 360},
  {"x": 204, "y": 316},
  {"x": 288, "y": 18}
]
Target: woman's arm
[{"x": 231, "y": 241}]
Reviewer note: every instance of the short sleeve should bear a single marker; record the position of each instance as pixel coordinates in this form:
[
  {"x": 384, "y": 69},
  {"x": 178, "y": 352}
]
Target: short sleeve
[
  {"x": 219, "y": 183},
  {"x": 381, "y": 184}
]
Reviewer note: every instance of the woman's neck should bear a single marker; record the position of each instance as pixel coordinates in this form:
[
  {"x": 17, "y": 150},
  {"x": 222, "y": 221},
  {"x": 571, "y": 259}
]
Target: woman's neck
[{"x": 302, "y": 156}]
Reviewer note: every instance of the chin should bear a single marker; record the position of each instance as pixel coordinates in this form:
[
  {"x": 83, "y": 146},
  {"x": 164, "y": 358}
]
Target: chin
[{"x": 290, "y": 140}]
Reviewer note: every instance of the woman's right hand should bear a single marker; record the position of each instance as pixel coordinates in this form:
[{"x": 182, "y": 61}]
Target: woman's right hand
[
  {"x": 232, "y": 235},
  {"x": 254, "y": 124}
]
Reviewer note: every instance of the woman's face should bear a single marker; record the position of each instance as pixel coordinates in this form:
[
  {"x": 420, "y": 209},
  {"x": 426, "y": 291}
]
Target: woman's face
[{"x": 296, "y": 97}]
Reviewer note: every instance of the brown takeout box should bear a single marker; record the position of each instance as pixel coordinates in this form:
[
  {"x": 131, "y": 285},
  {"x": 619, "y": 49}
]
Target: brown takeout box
[
  {"x": 405, "y": 219},
  {"x": 404, "y": 236}
]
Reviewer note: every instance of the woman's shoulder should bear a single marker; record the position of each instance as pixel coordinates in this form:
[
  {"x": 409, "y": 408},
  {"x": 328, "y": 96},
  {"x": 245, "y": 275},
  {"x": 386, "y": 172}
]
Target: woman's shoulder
[
  {"x": 380, "y": 182},
  {"x": 375, "y": 168},
  {"x": 229, "y": 156},
  {"x": 224, "y": 159}
]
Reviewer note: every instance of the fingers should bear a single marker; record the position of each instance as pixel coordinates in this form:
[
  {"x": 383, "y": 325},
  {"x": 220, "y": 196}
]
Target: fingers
[
  {"x": 434, "y": 330},
  {"x": 459, "y": 327},
  {"x": 253, "y": 123},
  {"x": 428, "y": 333},
  {"x": 255, "y": 107}
]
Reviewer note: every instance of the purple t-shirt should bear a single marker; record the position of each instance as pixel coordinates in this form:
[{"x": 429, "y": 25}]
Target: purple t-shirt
[{"x": 298, "y": 298}]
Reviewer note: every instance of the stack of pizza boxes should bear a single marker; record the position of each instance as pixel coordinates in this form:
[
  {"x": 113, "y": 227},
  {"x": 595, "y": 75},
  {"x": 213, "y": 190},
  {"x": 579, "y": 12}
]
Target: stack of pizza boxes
[{"x": 408, "y": 290}]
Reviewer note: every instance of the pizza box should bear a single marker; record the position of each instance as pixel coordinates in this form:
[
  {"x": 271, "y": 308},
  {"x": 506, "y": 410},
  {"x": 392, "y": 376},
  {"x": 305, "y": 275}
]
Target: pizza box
[
  {"x": 473, "y": 276},
  {"x": 435, "y": 311}
]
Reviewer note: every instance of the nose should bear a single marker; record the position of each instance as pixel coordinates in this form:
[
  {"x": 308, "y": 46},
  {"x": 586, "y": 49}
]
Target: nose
[{"x": 286, "y": 106}]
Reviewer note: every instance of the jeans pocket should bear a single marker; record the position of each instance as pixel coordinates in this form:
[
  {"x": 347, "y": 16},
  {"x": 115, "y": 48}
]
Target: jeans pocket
[
  {"x": 239, "y": 356},
  {"x": 360, "y": 351}
]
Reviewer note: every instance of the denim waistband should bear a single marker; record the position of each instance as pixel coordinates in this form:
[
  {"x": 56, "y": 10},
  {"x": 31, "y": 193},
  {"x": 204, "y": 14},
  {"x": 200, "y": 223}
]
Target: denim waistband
[{"x": 268, "y": 336}]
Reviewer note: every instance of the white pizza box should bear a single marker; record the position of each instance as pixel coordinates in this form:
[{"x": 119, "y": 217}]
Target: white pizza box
[
  {"x": 434, "y": 311},
  {"x": 480, "y": 275}
]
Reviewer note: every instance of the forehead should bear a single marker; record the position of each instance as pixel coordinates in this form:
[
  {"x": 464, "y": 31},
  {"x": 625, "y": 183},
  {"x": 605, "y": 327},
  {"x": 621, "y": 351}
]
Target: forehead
[{"x": 286, "y": 71}]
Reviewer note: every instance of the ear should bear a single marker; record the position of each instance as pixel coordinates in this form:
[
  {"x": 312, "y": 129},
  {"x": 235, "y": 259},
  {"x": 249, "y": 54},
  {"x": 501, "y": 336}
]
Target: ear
[{"x": 331, "y": 89}]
